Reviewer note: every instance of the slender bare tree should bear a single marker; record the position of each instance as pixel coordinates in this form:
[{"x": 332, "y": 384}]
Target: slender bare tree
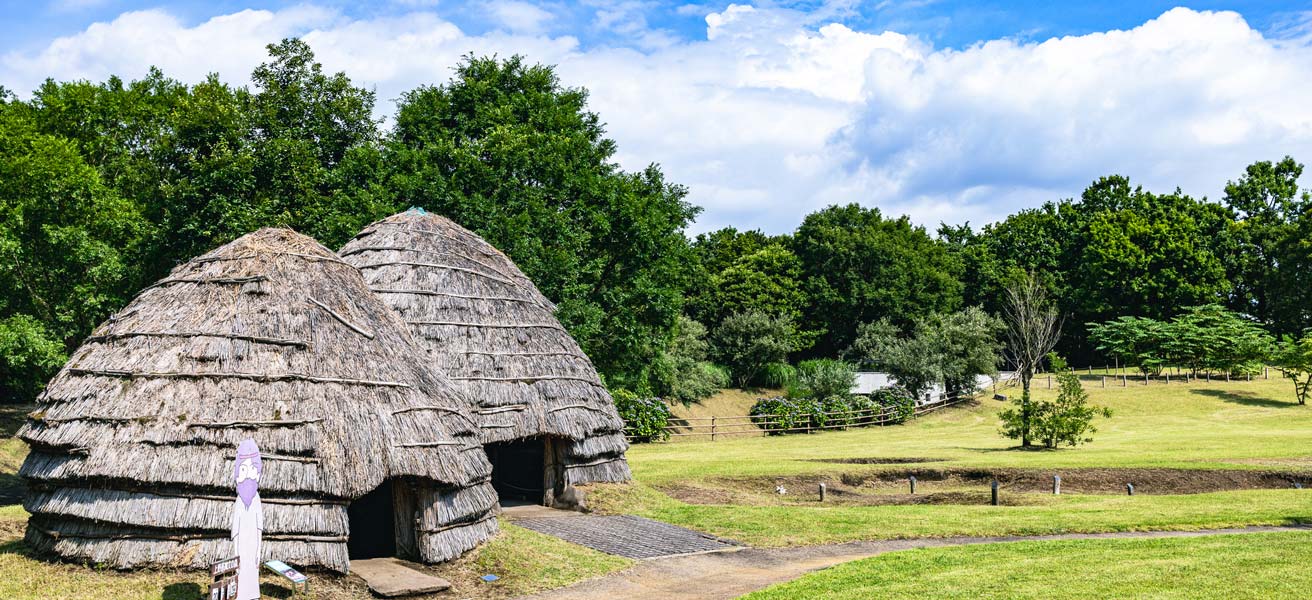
[{"x": 1033, "y": 327}]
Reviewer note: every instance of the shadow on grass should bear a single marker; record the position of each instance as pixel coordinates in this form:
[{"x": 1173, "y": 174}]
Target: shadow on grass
[
  {"x": 14, "y": 547},
  {"x": 1244, "y": 398},
  {"x": 12, "y": 489},
  {"x": 182, "y": 591}
]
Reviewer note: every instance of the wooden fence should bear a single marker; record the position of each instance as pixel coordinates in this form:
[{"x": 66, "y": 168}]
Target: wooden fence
[
  {"x": 1121, "y": 377},
  {"x": 719, "y": 427}
]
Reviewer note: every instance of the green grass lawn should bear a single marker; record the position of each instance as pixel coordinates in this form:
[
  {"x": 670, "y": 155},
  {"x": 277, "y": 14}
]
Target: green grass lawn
[
  {"x": 1238, "y": 425},
  {"x": 1221, "y": 566}
]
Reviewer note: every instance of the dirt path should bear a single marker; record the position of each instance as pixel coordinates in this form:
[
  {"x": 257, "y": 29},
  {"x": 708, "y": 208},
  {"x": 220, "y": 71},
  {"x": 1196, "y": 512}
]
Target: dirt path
[{"x": 725, "y": 575}]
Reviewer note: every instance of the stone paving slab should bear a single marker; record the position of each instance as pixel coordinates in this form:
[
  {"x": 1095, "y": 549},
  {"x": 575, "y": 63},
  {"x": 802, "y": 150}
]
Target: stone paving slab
[
  {"x": 395, "y": 578},
  {"x": 628, "y": 536}
]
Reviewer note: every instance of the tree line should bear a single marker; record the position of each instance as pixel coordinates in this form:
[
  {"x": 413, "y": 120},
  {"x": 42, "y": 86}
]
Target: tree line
[{"x": 105, "y": 186}]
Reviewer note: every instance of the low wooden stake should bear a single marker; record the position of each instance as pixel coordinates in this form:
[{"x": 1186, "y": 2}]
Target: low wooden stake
[
  {"x": 822, "y": 492},
  {"x": 1056, "y": 485},
  {"x": 995, "y": 492},
  {"x": 912, "y": 479}
]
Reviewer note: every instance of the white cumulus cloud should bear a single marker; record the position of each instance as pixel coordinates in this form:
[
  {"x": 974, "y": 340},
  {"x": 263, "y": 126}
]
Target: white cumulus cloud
[{"x": 775, "y": 113}]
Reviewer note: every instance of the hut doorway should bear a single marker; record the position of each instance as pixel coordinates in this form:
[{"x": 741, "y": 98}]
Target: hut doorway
[
  {"x": 518, "y": 469},
  {"x": 382, "y": 522}
]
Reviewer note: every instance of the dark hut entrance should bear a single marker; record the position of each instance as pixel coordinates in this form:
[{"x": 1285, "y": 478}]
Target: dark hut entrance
[
  {"x": 382, "y": 522},
  {"x": 518, "y": 469}
]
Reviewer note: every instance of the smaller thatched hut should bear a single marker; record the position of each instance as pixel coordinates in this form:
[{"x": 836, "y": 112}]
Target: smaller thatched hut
[
  {"x": 367, "y": 451},
  {"x": 546, "y": 419}
]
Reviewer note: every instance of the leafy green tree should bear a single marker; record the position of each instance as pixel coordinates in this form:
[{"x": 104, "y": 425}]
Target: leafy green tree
[
  {"x": 1147, "y": 253},
  {"x": 859, "y": 267},
  {"x": 746, "y": 342},
  {"x": 1294, "y": 359},
  {"x": 507, "y": 151},
  {"x": 1068, "y": 420},
  {"x": 822, "y": 378},
  {"x": 1132, "y": 341},
  {"x": 952, "y": 350},
  {"x": 682, "y": 373},
  {"x": 28, "y": 357},
  {"x": 1202, "y": 337},
  {"x": 66, "y": 242},
  {"x": 1267, "y": 268}
]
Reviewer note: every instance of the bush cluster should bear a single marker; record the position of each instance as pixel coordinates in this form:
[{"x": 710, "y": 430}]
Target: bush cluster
[
  {"x": 645, "y": 419},
  {"x": 901, "y": 403},
  {"x": 778, "y": 415}
]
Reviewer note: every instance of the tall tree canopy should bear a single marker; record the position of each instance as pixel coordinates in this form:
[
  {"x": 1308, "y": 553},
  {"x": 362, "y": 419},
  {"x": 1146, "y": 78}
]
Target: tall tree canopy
[
  {"x": 859, "y": 267},
  {"x": 507, "y": 151}
]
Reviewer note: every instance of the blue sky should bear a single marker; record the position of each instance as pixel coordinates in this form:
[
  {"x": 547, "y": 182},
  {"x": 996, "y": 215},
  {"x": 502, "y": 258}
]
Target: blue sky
[
  {"x": 949, "y": 23},
  {"x": 944, "y": 110}
]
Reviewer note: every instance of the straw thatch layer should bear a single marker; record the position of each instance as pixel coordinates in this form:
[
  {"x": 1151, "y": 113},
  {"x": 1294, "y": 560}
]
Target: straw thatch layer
[
  {"x": 272, "y": 338},
  {"x": 496, "y": 336}
]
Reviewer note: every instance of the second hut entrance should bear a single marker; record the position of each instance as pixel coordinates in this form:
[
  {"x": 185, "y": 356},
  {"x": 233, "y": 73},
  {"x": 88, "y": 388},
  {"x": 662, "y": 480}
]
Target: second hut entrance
[{"x": 520, "y": 470}]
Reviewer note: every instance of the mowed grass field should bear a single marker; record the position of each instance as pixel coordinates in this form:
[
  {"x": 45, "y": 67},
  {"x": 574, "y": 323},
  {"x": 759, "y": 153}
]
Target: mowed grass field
[
  {"x": 1268, "y": 565},
  {"x": 726, "y": 487}
]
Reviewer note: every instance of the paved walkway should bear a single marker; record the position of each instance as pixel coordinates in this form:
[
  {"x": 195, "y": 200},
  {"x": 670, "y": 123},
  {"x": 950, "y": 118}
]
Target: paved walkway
[
  {"x": 628, "y": 536},
  {"x": 726, "y": 575}
]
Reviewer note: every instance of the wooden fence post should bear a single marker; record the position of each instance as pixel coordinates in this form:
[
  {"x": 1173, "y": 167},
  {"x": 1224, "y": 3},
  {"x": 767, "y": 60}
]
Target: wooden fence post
[
  {"x": 1104, "y": 381},
  {"x": 1050, "y": 382},
  {"x": 712, "y": 428}
]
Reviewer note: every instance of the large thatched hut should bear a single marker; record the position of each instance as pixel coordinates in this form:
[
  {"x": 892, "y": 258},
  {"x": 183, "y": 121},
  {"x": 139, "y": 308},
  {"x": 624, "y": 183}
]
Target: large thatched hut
[
  {"x": 366, "y": 450},
  {"x": 546, "y": 419}
]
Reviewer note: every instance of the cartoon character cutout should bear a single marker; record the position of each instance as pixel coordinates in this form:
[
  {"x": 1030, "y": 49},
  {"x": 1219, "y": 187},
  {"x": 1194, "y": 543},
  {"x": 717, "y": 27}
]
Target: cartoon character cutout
[{"x": 247, "y": 520}]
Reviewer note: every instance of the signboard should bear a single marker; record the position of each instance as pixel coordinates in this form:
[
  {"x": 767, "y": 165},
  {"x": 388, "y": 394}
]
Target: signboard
[
  {"x": 282, "y": 568},
  {"x": 223, "y": 579}
]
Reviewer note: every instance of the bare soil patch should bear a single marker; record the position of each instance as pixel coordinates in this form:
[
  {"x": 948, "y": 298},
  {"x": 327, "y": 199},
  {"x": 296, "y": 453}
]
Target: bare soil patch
[
  {"x": 879, "y": 460},
  {"x": 971, "y": 486}
]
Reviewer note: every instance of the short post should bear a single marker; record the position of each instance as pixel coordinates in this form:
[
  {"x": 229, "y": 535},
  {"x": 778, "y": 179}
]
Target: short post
[
  {"x": 1227, "y": 376},
  {"x": 822, "y": 492},
  {"x": 912, "y": 479},
  {"x": 1125, "y": 380},
  {"x": 1129, "y": 489},
  {"x": 1266, "y": 372},
  {"x": 1104, "y": 381},
  {"x": 1056, "y": 485},
  {"x": 1168, "y": 378},
  {"x": 712, "y": 428},
  {"x": 1145, "y": 379},
  {"x": 1209, "y": 377},
  {"x": 995, "y": 492},
  {"x": 1050, "y": 382}
]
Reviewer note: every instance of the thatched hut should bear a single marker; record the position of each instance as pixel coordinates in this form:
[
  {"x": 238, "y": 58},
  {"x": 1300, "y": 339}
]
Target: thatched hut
[
  {"x": 546, "y": 419},
  {"x": 367, "y": 451}
]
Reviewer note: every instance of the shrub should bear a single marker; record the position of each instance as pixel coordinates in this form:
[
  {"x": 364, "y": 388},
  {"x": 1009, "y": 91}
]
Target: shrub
[
  {"x": 835, "y": 404},
  {"x": 1067, "y": 420},
  {"x": 681, "y": 373},
  {"x": 777, "y": 413},
  {"x": 822, "y": 378},
  {"x": 777, "y": 375},
  {"x": 901, "y": 405},
  {"x": 746, "y": 342},
  {"x": 645, "y": 419},
  {"x": 866, "y": 406}
]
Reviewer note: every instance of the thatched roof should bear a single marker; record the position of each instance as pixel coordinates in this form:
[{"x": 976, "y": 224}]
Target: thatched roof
[
  {"x": 495, "y": 335},
  {"x": 271, "y": 337}
]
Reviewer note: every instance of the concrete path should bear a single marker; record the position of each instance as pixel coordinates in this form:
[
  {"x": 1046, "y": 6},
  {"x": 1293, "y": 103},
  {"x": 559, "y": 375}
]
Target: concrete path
[{"x": 726, "y": 575}]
